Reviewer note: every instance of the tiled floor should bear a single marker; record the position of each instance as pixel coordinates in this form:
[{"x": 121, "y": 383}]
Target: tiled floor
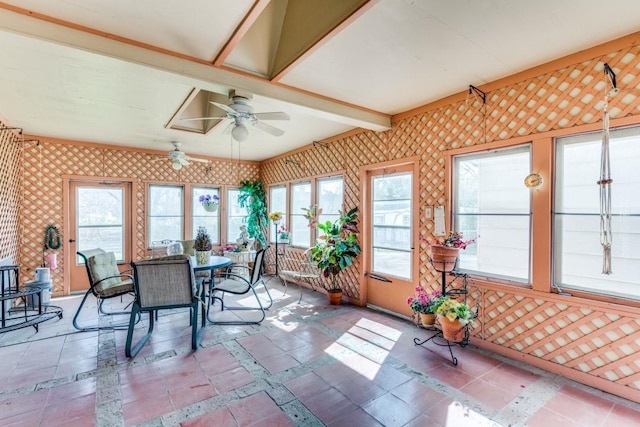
[{"x": 307, "y": 364}]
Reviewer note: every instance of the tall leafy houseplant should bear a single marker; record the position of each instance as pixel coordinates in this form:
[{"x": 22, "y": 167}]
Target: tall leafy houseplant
[
  {"x": 336, "y": 248},
  {"x": 253, "y": 198}
]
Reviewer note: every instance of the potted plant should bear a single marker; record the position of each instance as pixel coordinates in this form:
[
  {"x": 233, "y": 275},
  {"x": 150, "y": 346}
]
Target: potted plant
[
  {"x": 284, "y": 236},
  {"x": 444, "y": 252},
  {"x": 209, "y": 203},
  {"x": 253, "y": 198},
  {"x": 425, "y": 305},
  {"x": 453, "y": 317},
  {"x": 202, "y": 246},
  {"x": 335, "y": 250}
]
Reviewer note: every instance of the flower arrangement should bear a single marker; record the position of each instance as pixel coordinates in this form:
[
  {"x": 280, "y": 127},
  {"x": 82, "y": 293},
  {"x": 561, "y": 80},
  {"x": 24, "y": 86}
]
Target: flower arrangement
[
  {"x": 275, "y": 216},
  {"x": 455, "y": 310},
  {"x": 209, "y": 203},
  {"x": 425, "y": 302},
  {"x": 203, "y": 240},
  {"x": 453, "y": 240},
  {"x": 283, "y": 233}
]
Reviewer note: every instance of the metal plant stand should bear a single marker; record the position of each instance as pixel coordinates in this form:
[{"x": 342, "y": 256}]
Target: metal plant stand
[{"x": 453, "y": 288}]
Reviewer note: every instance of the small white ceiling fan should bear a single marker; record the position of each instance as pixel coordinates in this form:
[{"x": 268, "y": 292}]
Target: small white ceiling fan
[
  {"x": 180, "y": 158},
  {"x": 241, "y": 112}
]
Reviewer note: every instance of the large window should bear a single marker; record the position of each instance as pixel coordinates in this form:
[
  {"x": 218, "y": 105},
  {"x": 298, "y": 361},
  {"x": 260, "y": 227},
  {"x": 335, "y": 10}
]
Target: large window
[
  {"x": 491, "y": 205},
  {"x": 277, "y": 203},
  {"x": 202, "y": 218},
  {"x": 235, "y": 215},
  {"x": 577, "y": 249},
  {"x": 166, "y": 213},
  {"x": 329, "y": 196},
  {"x": 300, "y": 199}
]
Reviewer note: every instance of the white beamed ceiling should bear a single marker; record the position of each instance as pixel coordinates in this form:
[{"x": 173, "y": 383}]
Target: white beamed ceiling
[{"x": 116, "y": 72}]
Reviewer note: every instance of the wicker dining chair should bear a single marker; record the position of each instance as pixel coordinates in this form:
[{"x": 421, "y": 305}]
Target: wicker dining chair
[{"x": 165, "y": 283}]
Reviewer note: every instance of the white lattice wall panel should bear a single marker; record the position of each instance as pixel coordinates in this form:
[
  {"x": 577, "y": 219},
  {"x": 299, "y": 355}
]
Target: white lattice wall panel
[{"x": 10, "y": 193}]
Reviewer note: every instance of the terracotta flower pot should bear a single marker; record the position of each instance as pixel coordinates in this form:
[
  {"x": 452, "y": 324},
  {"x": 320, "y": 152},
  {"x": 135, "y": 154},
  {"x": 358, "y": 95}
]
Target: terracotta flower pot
[
  {"x": 427, "y": 319},
  {"x": 444, "y": 258},
  {"x": 452, "y": 331},
  {"x": 335, "y": 298}
]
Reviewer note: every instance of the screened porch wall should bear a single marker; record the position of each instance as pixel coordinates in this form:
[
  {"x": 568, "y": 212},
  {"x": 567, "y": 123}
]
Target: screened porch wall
[{"x": 596, "y": 343}]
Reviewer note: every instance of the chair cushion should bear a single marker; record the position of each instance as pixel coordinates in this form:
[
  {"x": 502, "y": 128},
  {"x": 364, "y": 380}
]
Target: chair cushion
[
  {"x": 232, "y": 286},
  {"x": 188, "y": 246},
  {"x": 104, "y": 269}
]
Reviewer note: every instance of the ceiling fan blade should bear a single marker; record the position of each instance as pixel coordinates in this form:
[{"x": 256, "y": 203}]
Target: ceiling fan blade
[
  {"x": 202, "y": 118},
  {"x": 225, "y": 108},
  {"x": 269, "y": 129},
  {"x": 274, "y": 115},
  {"x": 195, "y": 159},
  {"x": 183, "y": 161}
]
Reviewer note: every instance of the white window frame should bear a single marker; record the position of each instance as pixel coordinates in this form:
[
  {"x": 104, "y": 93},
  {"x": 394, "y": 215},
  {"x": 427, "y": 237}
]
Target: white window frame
[
  {"x": 469, "y": 259},
  {"x": 577, "y": 264},
  {"x": 151, "y": 215}
]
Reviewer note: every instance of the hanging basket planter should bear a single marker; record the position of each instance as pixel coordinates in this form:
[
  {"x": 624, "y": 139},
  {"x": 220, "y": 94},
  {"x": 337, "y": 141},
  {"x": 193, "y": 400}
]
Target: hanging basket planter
[
  {"x": 210, "y": 207},
  {"x": 444, "y": 258}
]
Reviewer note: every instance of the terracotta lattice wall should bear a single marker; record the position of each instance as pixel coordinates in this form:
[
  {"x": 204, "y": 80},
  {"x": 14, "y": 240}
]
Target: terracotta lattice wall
[
  {"x": 596, "y": 343},
  {"x": 10, "y": 192},
  {"x": 46, "y": 163}
]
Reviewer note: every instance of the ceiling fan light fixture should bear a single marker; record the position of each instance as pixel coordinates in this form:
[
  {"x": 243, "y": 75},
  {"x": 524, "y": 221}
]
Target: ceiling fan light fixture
[
  {"x": 176, "y": 165},
  {"x": 240, "y": 133}
]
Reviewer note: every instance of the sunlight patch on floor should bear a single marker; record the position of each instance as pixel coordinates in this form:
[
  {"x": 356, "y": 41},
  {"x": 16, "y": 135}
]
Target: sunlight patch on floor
[
  {"x": 364, "y": 347},
  {"x": 459, "y": 415}
]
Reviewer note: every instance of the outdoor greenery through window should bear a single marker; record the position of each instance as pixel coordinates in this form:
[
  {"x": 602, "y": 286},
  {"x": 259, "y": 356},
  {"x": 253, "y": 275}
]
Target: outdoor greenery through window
[
  {"x": 577, "y": 249},
  {"x": 166, "y": 213},
  {"x": 392, "y": 233},
  {"x": 492, "y": 205},
  {"x": 202, "y": 218}
]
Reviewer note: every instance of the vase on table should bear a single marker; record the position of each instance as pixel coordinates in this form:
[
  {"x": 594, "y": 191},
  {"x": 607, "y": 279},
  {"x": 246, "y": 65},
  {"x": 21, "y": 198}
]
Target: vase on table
[{"x": 203, "y": 257}]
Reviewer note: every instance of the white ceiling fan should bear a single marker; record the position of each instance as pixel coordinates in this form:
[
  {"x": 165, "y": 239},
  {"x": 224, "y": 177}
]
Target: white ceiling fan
[
  {"x": 179, "y": 158},
  {"x": 241, "y": 112}
]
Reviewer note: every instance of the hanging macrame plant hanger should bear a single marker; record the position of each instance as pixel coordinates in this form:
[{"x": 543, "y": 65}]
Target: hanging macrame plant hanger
[{"x": 606, "y": 236}]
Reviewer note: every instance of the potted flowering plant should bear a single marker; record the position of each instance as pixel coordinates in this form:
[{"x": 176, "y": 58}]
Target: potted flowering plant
[
  {"x": 209, "y": 203},
  {"x": 425, "y": 304},
  {"x": 453, "y": 316},
  {"x": 444, "y": 252},
  {"x": 283, "y": 234}
]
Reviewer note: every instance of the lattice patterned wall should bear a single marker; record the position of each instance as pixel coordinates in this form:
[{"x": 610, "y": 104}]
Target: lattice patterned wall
[
  {"x": 45, "y": 164},
  {"x": 597, "y": 342},
  {"x": 10, "y": 193}
]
